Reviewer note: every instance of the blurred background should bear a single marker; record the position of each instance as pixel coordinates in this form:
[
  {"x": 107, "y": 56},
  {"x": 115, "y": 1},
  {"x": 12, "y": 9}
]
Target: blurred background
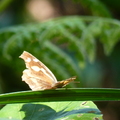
[{"x": 72, "y": 37}]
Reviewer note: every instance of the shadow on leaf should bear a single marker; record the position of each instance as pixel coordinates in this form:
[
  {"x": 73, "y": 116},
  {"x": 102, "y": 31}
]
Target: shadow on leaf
[{"x": 44, "y": 112}]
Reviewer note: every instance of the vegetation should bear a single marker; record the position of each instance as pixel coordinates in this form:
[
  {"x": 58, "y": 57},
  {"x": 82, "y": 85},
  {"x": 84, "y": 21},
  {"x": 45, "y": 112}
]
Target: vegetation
[{"x": 66, "y": 45}]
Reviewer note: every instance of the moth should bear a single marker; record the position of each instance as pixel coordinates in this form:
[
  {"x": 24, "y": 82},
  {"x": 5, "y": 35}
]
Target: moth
[{"x": 38, "y": 76}]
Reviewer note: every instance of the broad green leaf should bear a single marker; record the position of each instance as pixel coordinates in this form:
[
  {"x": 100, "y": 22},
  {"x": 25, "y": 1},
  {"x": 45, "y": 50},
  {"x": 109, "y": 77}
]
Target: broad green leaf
[{"x": 51, "y": 111}]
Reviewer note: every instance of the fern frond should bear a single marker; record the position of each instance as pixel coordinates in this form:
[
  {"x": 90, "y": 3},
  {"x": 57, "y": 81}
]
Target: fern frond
[{"x": 63, "y": 43}]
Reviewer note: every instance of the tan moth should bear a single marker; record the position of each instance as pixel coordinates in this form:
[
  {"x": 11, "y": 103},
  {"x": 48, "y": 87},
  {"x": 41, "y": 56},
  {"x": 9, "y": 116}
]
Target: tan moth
[{"x": 38, "y": 76}]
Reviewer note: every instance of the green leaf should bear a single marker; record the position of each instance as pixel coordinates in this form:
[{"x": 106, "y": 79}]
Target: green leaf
[
  {"x": 51, "y": 111},
  {"x": 63, "y": 94}
]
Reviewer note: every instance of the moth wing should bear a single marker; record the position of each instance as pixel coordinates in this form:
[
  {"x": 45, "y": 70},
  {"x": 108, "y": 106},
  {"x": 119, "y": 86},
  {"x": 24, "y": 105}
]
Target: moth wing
[
  {"x": 35, "y": 83},
  {"x": 37, "y": 75}
]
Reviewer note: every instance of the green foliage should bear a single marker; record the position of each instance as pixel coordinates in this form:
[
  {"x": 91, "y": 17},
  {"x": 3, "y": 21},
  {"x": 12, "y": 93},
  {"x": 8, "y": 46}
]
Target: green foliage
[
  {"x": 52, "y": 108},
  {"x": 62, "y": 94},
  {"x": 51, "y": 111},
  {"x": 96, "y": 7},
  {"x": 66, "y": 40},
  {"x": 63, "y": 44}
]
